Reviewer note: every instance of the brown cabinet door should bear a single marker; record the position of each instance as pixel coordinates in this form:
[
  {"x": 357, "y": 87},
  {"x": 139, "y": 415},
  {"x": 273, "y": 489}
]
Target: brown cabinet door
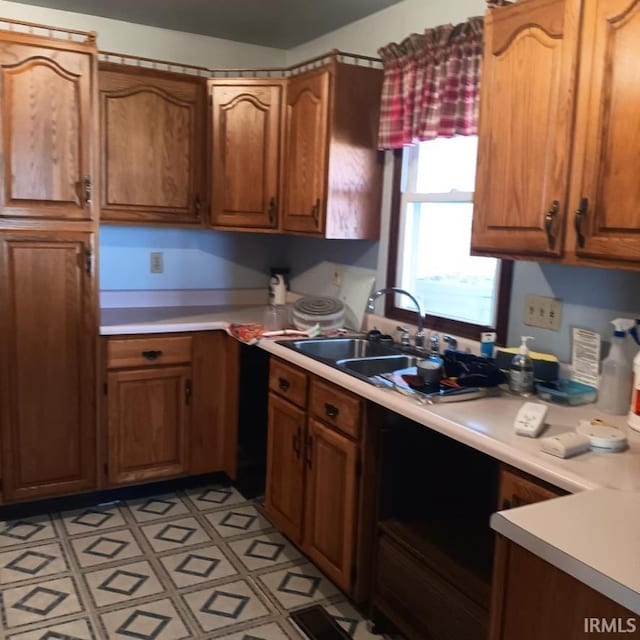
[
  {"x": 47, "y": 364},
  {"x": 516, "y": 491},
  {"x": 284, "y": 493},
  {"x": 245, "y": 153},
  {"x": 151, "y": 146},
  {"x": 45, "y": 97},
  {"x": 331, "y": 502},
  {"x": 148, "y": 423},
  {"x": 305, "y": 169},
  {"x": 526, "y": 117},
  {"x": 607, "y": 144}
]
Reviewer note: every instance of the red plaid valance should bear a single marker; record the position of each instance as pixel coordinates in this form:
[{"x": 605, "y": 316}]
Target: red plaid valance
[{"x": 431, "y": 85}]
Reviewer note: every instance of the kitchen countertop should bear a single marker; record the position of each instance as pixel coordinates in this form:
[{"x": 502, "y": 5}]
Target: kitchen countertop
[
  {"x": 487, "y": 425},
  {"x": 606, "y": 559}
]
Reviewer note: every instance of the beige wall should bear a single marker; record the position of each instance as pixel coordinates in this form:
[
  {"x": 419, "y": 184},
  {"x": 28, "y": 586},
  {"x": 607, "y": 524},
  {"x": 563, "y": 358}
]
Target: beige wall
[{"x": 151, "y": 42}]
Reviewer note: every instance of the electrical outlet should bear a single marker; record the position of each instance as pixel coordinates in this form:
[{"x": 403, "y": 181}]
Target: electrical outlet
[
  {"x": 543, "y": 312},
  {"x": 156, "y": 262}
]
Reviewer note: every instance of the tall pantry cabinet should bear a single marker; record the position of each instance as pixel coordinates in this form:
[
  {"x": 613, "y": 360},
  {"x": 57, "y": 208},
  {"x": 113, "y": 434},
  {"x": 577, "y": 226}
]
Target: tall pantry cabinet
[{"x": 48, "y": 221}]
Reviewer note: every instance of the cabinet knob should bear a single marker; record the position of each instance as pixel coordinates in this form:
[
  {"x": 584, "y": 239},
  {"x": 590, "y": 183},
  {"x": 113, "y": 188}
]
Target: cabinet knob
[
  {"x": 283, "y": 383},
  {"x": 549, "y": 223},
  {"x": 151, "y": 354},
  {"x": 315, "y": 211},
  {"x": 273, "y": 205},
  {"x": 331, "y": 410},
  {"x": 578, "y": 221}
]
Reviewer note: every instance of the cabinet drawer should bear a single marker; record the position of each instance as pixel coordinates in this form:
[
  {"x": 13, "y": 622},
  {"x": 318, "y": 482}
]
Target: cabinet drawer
[
  {"x": 515, "y": 490},
  {"x": 142, "y": 352},
  {"x": 288, "y": 382},
  {"x": 338, "y": 408},
  {"x": 420, "y": 602}
]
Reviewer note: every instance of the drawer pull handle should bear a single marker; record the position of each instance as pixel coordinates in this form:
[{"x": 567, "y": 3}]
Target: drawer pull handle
[
  {"x": 283, "y": 383},
  {"x": 331, "y": 410},
  {"x": 506, "y": 504},
  {"x": 151, "y": 354},
  {"x": 315, "y": 211}
]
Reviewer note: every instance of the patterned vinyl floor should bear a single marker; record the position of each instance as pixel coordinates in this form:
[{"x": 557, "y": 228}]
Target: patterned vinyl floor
[{"x": 204, "y": 563}]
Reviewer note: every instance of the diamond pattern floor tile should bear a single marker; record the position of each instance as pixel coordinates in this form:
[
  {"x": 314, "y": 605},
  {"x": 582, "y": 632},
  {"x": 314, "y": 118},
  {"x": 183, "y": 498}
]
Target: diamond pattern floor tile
[
  {"x": 238, "y": 520},
  {"x": 207, "y": 564},
  {"x": 91, "y": 520},
  {"x": 264, "y": 550},
  {"x": 298, "y": 586},
  {"x": 214, "y": 497},
  {"x": 123, "y": 583},
  {"x": 43, "y": 601},
  {"x": 225, "y": 605},
  {"x": 26, "y": 530},
  {"x": 158, "y": 620},
  {"x": 175, "y": 534},
  {"x": 156, "y": 507},
  {"x": 33, "y": 562},
  {"x": 76, "y": 630},
  {"x": 105, "y": 547},
  {"x": 190, "y": 568}
]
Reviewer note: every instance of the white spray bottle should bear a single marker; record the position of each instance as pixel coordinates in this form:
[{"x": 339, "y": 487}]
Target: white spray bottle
[
  {"x": 634, "y": 411},
  {"x": 615, "y": 379}
]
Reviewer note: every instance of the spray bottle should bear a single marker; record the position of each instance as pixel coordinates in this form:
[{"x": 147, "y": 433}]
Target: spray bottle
[
  {"x": 521, "y": 370},
  {"x": 615, "y": 379},
  {"x": 634, "y": 412}
]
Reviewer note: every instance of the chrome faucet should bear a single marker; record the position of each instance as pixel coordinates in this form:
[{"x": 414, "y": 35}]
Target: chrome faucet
[{"x": 418, "y": 339}]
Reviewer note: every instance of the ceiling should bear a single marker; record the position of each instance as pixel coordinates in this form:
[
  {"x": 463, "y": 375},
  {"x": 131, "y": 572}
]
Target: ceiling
[{"x": 274, "y": 23}]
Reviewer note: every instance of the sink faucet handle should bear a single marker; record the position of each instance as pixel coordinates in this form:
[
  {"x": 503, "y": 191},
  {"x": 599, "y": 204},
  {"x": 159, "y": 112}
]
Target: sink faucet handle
[
  {"x": 451, "y": 341},
  {"x": 404, "y": 336},
  {"x": 435, "y": 344},
  {"x": 418, "y": 338}
]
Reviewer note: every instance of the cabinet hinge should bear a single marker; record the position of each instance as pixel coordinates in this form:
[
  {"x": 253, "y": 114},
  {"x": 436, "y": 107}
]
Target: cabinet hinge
[
  {"x": 358, "y": 468},
  {"x": 354, "y": 574},
  {"x": 105, "y": 388},
  {"x": 187, "y": 392},
  {"x": 88, "y": 259},
  {"x": 106, "y": 469}
]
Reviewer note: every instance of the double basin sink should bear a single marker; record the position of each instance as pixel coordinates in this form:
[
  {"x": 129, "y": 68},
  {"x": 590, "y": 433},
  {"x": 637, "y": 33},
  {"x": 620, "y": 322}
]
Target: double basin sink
[
  {"x": 370, "y": 361},
  {"x": 358, "y": 356}
]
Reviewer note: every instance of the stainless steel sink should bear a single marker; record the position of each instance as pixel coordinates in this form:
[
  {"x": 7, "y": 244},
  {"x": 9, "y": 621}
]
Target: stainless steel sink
[
  {"x": 374, "y": 366},
  {"x": 335, "y": 349}
]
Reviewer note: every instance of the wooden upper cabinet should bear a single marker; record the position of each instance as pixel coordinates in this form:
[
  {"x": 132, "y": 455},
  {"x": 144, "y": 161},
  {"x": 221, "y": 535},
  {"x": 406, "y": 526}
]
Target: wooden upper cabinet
[
  {"x": 305, "y": 168},
  {"x": 47, "y": 122},
  {"x": 606, "y": 224},
  {"x": 48, "y": 332},
  {"x": 526, "y": 115},
  {"x": 152, "y": 146},
  {"x": 332, "y": 171},
  {"x": 245, "y": 152}
]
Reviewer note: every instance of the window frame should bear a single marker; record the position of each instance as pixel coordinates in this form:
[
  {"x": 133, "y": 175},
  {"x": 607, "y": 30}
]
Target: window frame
[{"x": 438, "y": 323}]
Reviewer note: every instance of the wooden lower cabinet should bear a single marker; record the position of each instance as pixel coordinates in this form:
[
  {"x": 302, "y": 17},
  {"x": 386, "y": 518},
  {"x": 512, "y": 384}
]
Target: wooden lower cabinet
[
  {"x": 537, "y": 600},
  {"x": 170, "y": 406},
  {"x": 314, "y": 493},
  {"x": 148, "y": 426},
  {"x": 284, "y": 497},
  {"x": 47, "y": 364},
  {"x": 331, "y": 495}
]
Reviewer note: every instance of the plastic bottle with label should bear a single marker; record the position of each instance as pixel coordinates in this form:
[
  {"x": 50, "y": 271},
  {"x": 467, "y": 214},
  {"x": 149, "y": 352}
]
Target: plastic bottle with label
[
  {"x": 521, "y": 370},
  {"x": 634, "y": 411},
  {"x": 615, "y": 379}
]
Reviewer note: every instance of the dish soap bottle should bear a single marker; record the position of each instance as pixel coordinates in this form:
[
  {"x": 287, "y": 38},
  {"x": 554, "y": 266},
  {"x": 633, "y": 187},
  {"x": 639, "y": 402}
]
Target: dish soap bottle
[
  {"x": 521, "y": 370},
  {"x": 615, "y": 379}
]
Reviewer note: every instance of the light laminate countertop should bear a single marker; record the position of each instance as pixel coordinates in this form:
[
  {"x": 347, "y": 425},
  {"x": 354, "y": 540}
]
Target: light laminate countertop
[{"x": 569, "y": 532}]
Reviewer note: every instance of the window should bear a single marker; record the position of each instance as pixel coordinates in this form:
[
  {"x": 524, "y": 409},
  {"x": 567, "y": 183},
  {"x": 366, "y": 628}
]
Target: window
[{"x": 430, "y": 240}]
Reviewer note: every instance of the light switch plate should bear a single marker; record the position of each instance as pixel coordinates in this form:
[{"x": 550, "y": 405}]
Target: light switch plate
[
  {"x": 156, "y": 262},
  {"x": 542, "y": 312}
]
